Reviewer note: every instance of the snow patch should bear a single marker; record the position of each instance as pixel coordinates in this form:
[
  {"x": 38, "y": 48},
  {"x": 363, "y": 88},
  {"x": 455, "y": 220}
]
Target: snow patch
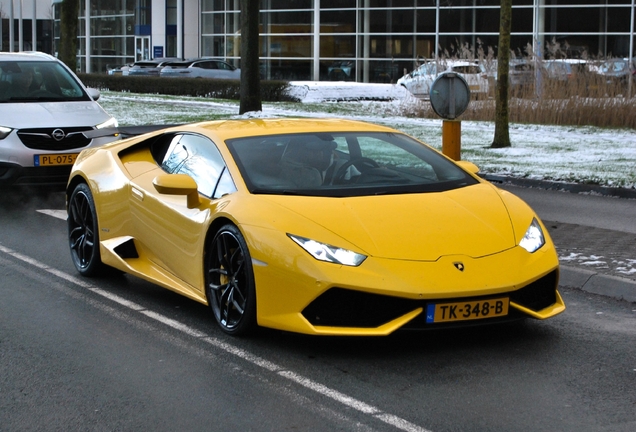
[{"x": 322, "y": 91}]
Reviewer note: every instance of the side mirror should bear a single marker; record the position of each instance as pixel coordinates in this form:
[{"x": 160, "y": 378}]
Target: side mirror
[
  {"x": 178, "y": 184},
  {"x": 468, "y": 166},
  {"x": 93, "y": 93}
]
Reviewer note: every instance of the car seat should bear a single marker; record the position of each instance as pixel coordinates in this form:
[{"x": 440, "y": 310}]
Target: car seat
[{"x": 304, "y": 161}]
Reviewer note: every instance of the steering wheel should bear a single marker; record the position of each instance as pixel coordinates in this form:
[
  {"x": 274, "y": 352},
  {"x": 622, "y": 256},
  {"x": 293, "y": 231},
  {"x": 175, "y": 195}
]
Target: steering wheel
[{"x": 362, "y": 163}]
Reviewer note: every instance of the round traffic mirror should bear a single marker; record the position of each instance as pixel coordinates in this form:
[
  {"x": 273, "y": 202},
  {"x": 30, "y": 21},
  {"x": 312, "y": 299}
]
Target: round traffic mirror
[{"x": 450, "y": 95}]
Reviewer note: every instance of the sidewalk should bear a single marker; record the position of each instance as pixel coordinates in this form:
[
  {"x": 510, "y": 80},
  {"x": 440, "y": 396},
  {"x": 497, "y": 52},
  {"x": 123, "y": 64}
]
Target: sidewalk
[{"x": 596, "y": 260}]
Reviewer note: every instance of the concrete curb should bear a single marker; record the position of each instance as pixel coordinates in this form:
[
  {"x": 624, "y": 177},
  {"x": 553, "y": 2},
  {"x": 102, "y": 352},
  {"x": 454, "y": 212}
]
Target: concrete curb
[{"x": 598, "y": 283}]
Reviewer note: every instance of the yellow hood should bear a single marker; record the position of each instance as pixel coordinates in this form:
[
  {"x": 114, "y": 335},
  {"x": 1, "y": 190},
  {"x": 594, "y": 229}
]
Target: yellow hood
[{"x": 470, "y": 221}]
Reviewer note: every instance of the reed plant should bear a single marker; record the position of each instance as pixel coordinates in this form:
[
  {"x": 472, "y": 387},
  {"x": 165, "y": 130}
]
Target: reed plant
[{"x": 581, "y": 97}]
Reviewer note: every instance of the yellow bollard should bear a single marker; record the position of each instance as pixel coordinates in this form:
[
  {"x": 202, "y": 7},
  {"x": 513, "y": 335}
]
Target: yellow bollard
[{"x": 451, "y": 139}]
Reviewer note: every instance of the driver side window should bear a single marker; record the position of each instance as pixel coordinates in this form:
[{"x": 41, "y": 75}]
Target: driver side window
[{"x": 198, "y": 157}]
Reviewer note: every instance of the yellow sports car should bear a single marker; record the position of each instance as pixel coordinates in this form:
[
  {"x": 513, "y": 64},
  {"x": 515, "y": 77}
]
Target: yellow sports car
[{"x": 317, "y": 226}]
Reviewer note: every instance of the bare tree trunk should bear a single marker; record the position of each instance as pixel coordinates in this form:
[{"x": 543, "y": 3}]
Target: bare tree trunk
[
  {"x": 68, "y": 33},
  {"x": 502, "y": 115},
  {"x": 250, "y": 72}
]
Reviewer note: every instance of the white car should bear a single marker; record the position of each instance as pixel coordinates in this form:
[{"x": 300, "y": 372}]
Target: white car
[
  {"x": 44, "y": 112},
  {"x": 420, "y": 80},
  {"x": 201, "y": 68}
]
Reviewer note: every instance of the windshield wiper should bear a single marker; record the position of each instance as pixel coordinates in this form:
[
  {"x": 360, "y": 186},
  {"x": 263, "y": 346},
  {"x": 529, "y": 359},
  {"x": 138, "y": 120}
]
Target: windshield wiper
[
  {"x": 295, "y": 192},
  {"x": 33, "y": 99}
]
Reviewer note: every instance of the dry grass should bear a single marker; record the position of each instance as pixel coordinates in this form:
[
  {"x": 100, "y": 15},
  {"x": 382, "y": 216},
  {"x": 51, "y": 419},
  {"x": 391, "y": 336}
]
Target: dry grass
[
  {"x": 576, "y": 103},
  {"x": 584, "y": 98}
]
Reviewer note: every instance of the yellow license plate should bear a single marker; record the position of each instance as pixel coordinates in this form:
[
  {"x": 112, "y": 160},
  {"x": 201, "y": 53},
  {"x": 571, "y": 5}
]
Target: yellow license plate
[
  {"x": 474, "y": 87},
  {"x": 54, "y": 159},
  {"x": 464, "y": 311}
]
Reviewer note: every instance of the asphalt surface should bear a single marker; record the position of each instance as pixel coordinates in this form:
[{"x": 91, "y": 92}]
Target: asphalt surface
[{"x": 597, "y": 254}]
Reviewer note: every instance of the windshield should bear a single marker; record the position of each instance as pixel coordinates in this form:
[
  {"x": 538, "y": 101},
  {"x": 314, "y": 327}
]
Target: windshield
[
  {"x": 38, "y": 81},
  {"x": 613, "y": 66},
  {"x": 344, "y": 164}
]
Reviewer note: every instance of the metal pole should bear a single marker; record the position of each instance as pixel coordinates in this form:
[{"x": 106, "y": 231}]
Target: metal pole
[
  {"x": 20, "y": 28},
  {"x": 11, "y": 26},
  {"x": 436, "y": 35},
  {"x": 87, "y": 28},
  {"x": 316, "y": 53},
  {"x": 366, "y": 42},
  {"x": 631, "y": 56},
  {"x": 452, "y": 139},
  {"x": 179, "y": 29},
  {"x": 34, "y": 28},
  {"x": 452, "y": 129}
]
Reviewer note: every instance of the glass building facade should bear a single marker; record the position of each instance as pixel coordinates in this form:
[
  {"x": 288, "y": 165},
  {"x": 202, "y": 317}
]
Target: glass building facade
[{"x": 361, "y": 40}]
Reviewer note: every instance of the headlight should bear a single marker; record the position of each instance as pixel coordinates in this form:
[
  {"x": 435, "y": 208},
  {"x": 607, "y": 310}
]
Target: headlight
[
  {"x": 109, "y": 123},
  {"x": 534, "y": 238},
  {"x": 328, "y": 253},
  {"x": 4, "y": 132}
]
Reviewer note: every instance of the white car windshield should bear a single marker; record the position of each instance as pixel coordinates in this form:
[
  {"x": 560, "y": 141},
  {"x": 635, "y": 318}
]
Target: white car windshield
[
  {"x": 38, "y": 81},
  {"x": 344, "y": 164}
]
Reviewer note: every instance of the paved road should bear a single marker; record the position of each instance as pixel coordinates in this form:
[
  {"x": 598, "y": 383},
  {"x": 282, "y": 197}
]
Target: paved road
[
  {"x": 595, "y": 237},
  {"x": 121, "y": 354},
  {"x": 594, "y": 211}
]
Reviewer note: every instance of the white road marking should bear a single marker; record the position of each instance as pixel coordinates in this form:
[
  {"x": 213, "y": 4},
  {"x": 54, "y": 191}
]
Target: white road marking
[
  {"x": 60, "y": 214},
  {"x": 321, "y": 389}
]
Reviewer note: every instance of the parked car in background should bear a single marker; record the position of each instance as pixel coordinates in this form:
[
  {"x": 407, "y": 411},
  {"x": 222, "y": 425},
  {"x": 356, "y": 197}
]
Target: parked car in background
[
  {"x": 384, "y": 72},
  {"x": 570, "y": 77},
  {"x": 420, "y": 80},
  {"x": 46, "y": 114},
  {"x": 149, "y": 67},
  {"x": 200, "y": 68},
  {"x": 342, "y": 71},
  {"x": 522, "y": 74},
  {"x": 118, "y": 70},
  {"x": 474, "y": 73},
  {"x": 617, "y": 70},
  {"x": 565, "y": 70}
]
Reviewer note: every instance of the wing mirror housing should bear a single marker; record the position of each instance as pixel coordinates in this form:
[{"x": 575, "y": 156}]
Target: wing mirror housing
[
  {"x": 93, "y": 93},
  {"x": 468, "y": 166},
  {"x": 178, "y": 184}
]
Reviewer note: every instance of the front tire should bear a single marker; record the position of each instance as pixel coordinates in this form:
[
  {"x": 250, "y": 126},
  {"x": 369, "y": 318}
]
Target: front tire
[
  {"x": 83, "y": 235},
  {"x": 229, "y": 281}
]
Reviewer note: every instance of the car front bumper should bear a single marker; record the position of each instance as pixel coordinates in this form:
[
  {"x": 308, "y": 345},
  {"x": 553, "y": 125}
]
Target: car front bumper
[{"x": 17, "y": 163}]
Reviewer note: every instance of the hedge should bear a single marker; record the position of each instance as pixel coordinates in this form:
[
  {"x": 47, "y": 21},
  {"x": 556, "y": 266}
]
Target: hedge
[{"x": 271, "y": 91}]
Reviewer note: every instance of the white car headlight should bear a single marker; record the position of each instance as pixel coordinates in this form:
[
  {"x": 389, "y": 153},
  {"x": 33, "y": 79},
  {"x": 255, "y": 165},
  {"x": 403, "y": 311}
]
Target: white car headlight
[
  {"x": 109, "y": 123},
  {"x": 328, "y": 253},
  {"x": 534, "y": 238},
  {"x": 4, "y": 132}
]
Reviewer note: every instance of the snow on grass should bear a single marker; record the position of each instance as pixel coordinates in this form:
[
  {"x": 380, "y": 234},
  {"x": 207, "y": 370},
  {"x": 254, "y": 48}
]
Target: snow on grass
[{"x": 562, "y": 153}]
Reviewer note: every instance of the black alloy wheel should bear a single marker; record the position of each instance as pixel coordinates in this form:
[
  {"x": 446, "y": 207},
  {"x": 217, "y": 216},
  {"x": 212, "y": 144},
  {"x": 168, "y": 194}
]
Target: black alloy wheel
[
  {"x": 83, "y": 237},
  {"x": 230, "y": 282}
]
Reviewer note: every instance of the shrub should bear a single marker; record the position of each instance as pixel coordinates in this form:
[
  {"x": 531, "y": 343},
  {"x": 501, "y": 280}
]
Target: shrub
[{"x": 271, "y": 91}]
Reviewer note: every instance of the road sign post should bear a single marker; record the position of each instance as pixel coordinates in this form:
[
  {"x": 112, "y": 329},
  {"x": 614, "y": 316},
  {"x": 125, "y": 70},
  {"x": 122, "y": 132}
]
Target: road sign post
[{"x": 450, "y": 96}]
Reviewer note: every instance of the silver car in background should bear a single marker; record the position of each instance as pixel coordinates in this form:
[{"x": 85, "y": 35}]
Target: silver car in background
[
  {"x": 420, "y": 80},
  {"x": 200, "y": 68},
  {"x": 45, "y": 112},
  {"x": 149, "y": 67}
]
